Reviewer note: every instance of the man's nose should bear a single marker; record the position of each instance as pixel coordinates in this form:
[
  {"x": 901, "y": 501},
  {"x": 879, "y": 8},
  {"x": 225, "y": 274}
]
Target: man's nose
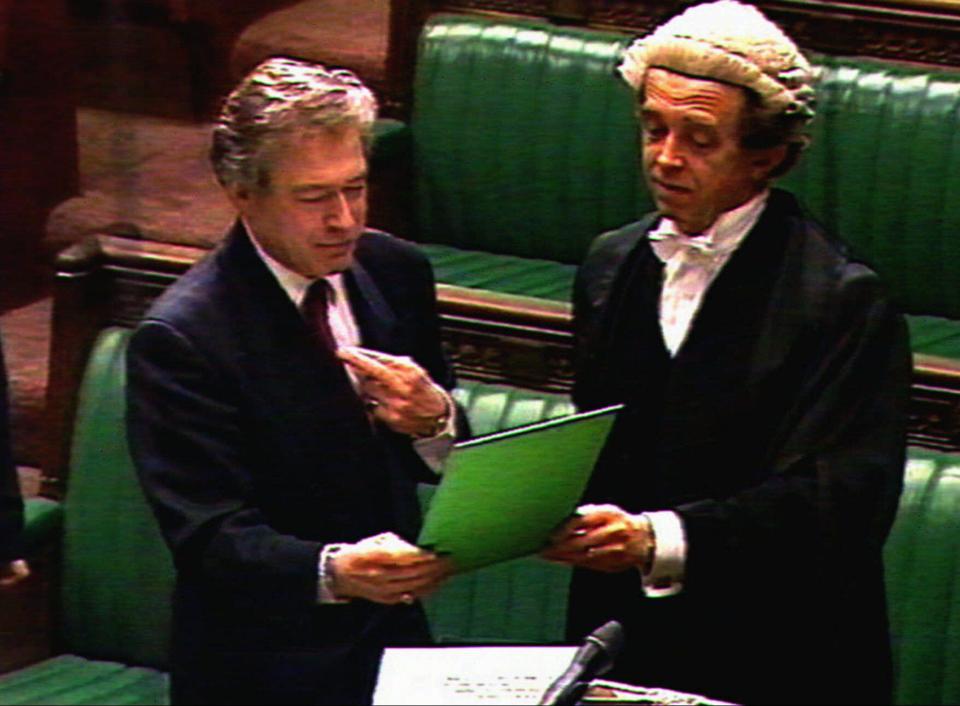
[
  {"x": 669, "y": 156},
  {"x": 341, "y": 214}
]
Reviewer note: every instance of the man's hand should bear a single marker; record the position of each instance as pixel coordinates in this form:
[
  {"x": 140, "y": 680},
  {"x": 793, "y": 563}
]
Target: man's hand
[
  {"x": 13, "y": 572},
  {"x": 603, "y": 538},
  {"x": 398, "y": 391},
  {"x": 386, "y": 569}
]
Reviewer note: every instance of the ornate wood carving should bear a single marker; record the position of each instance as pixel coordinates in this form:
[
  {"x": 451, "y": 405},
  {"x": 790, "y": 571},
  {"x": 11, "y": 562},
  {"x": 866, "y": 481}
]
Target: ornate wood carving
[
  {"x": 510, "y": 7},
  {"x": 633, "y": 17},
  {"x": 503, "y": 338},
  {"x": 935, "y": 403}
]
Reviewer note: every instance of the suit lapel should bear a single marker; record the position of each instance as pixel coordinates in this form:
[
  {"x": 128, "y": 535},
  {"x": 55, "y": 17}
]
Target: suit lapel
[{"x": 375, "y": 318}]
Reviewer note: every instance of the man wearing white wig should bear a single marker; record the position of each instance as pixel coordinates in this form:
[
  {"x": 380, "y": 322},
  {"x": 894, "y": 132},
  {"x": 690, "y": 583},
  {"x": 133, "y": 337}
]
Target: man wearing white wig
[{"x": 737, "y": 514}]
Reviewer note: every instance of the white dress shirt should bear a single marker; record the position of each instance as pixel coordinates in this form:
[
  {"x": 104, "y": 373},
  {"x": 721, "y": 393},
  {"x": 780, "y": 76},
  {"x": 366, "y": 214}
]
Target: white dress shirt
[{"x": 691, "y": 264}]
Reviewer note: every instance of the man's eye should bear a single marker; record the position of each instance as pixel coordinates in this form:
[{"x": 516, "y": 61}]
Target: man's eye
[
  {"x": 314, "y": 198},
  {"x": 654, "y": 132},
  {"x": 702, "y": 140}
]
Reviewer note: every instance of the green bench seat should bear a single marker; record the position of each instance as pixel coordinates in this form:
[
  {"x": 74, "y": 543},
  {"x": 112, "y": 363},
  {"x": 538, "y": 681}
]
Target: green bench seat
[
  {"x": 509, "y": 274},
  {"x": 934, "y": 335},
  {"x": 69, "y": 679},
  {"x": 922, "y": 558},
  {"x": 524, "y": 149},
  {"x": 117, "y": 574}
]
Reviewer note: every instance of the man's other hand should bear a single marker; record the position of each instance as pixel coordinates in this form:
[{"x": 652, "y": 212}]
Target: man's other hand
[
  {"x": 398, "y": 392},
  {"x": 386, "y": 569},
  {"x": 603, "y": 538},
  {"x": 13, "y": 572}
]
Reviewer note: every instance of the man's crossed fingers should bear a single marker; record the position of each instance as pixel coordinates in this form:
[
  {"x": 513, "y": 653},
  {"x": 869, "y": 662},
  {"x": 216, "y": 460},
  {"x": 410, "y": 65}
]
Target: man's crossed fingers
[{"x": 398, "y": 391}]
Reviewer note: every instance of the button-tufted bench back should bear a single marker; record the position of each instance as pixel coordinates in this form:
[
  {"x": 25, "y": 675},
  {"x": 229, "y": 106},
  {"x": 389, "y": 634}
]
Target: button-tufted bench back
[{"x": 883, "y": 172}]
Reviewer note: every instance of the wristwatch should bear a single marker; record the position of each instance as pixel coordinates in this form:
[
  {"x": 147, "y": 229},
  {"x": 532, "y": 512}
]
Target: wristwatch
[{"x": 440, "y": 421}]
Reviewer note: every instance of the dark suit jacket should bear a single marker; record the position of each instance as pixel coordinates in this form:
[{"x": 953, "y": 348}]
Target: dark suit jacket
[
  {"x": 11, "y": 504},
  {"x": 255, "y": 451},
  {"x": 777, "y": 433}
]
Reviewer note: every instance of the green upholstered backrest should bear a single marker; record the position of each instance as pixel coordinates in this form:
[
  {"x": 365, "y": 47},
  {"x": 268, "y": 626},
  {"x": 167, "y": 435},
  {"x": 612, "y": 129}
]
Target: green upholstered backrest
[
  {"x": 117, "y": 573},
  {"x": 525, "y": 144},
  {"x": 922, "y": 558},
  {"x": 883, "y": 172},
  {"x": 523, "y": 139}
]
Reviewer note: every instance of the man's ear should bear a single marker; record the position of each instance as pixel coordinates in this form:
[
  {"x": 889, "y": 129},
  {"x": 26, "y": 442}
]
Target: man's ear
[{"x": 765, "y": 161}]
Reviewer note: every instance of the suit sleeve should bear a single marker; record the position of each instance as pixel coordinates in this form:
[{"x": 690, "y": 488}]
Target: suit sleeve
[
  {"x": 837, "y": 463},
  {"x": 187, "y": 443},
  {"x": 11, "y": 504}
]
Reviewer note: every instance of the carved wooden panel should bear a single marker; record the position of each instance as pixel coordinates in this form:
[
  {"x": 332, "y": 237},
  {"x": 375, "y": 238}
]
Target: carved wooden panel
[
  {"x": 494, "y": 352},
  {"x": 630, "y": 16},
  {"x": 512, "y": 7},
  {"x": 935, "y": 403}
]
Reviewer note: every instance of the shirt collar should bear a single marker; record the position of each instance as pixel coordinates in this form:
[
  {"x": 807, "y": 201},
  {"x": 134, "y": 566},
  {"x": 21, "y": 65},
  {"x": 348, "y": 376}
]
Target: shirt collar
[
  {"x": 720, "y": 239},
  {"x": 293, "y": 283}
]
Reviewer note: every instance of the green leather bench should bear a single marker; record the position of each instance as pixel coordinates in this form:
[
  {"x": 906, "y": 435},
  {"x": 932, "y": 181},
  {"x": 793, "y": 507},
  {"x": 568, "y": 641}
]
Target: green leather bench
[
  {"x": 116, "y": 573},
  {"x": 524, "y": 149}
]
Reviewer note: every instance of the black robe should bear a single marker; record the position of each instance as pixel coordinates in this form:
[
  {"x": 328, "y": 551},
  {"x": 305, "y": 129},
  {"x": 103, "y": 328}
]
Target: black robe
[{"x": 777, "y": 433}]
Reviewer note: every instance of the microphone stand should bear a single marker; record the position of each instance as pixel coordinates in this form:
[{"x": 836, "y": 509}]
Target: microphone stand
[{"x": 595, "y": 657}]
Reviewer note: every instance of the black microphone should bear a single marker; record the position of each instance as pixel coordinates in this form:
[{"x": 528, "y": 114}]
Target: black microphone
[{"x": 594, "y": 658}]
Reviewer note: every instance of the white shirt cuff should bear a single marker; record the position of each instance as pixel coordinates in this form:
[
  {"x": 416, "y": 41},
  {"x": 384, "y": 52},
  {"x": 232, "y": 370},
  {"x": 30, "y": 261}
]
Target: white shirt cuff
[
  {"x": 325, "y": 594},
  {"x": 435, "y": 449},
  {"x": 666, "y": 574}
]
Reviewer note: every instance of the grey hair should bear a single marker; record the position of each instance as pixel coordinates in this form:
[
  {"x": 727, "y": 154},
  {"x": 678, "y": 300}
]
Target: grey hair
[{"x": 280, "y": 96}]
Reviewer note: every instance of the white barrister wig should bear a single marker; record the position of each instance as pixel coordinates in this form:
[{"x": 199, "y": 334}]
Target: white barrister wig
[{"x": 730, "y": 42}]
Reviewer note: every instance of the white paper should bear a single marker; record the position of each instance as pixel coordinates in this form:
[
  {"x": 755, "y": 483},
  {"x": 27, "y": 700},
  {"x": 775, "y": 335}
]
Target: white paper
[{"x": 468, "y": 675}]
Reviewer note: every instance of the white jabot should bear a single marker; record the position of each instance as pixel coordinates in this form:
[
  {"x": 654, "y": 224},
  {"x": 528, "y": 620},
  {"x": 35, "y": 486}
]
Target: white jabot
[{"x": 692, "y": 263}]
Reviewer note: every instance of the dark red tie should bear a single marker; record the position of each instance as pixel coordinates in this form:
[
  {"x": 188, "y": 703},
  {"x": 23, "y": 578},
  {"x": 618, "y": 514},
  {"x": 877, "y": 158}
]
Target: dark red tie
[{"x": 315, "y": 309}]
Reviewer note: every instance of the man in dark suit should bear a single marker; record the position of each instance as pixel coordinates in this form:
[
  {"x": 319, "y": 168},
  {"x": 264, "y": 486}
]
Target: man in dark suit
[
  {"x": 284, "y": 481},
  {"x": 736, "y": 517},
  {"x": 13, "y": 568}
]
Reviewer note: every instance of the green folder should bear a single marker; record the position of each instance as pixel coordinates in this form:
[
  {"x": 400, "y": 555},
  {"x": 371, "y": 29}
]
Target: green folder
[{"x": 502, "y": 495}]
